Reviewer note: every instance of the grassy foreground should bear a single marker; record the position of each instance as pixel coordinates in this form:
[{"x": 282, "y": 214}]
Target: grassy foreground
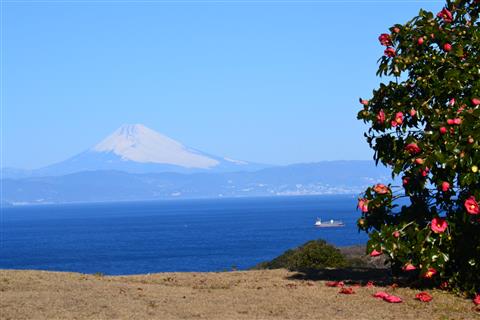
[{"x": 263, "y": 294}]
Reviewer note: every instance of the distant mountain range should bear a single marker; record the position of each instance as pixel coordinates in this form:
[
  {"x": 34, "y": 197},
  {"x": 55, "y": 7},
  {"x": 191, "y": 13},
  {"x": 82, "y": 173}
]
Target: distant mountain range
[
  {"x": 136, "y": 163},
  {"x": 335, "y": 177}
]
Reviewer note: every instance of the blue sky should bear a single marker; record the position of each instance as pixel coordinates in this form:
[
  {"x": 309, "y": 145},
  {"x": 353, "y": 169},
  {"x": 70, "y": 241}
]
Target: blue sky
[{"x": 271, "y": 82}]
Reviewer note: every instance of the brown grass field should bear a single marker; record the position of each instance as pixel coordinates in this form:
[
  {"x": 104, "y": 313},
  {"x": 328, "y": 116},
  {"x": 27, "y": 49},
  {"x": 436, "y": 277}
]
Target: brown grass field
[{"x": 264, "y": 294}]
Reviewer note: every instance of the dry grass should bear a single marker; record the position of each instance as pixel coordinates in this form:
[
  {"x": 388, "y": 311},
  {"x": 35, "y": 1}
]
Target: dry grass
[{"x": 267, "y": 294}]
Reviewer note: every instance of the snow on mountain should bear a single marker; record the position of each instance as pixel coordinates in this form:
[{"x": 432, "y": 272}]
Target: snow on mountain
[
  {"x": 138, "y": 149},
  {"x": 140, "y": 144}
]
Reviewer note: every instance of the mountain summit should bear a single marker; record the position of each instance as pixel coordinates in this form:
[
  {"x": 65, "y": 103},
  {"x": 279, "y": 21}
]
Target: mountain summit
[
  {"x": 134, "y": 148},
  {"x": 140, "y": 144}
]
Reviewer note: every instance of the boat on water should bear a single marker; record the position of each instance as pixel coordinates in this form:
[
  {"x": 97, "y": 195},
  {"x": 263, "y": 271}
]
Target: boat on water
[{"x": 329, "y": 224}]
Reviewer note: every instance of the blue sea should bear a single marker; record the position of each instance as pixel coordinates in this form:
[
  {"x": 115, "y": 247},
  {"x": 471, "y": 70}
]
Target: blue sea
[{"x": 184, "y": 235}]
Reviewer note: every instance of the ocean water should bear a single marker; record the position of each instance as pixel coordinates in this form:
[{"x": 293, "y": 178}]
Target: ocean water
[{"x": 184, "y": 235}]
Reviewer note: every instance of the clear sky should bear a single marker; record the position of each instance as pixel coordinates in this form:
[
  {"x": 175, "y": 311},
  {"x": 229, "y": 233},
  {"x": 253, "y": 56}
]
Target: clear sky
[{"x": 264, "y": 81}]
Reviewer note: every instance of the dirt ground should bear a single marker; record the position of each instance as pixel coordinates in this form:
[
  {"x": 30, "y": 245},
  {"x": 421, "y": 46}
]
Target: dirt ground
[{"x": 265, "y": 294}]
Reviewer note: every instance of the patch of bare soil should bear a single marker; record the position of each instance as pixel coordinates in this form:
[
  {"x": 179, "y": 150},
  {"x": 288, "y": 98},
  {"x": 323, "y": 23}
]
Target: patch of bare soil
[{"x": 264, "y": 294}]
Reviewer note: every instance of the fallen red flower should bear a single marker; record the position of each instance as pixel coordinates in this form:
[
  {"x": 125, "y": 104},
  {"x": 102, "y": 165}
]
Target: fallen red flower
[
  {"x": 388, "y": 298},
  {"x": 347, "y": 291},
  {"x": 370, "y": 284},
  {"x": 424, "y": 297},
  {"x": 381, "y": 295},
  {"x": 335, "y": 284},
  {"x": 476, "y": 300},
  {"x": 393, "y": 299}
]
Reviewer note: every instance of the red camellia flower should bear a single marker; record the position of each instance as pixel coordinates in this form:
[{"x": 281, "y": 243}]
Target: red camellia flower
[
  {"x": 413, "y": 112},
  {"x": 430, "y": 273},
  {"x": 393, "y": 299},
  {"x": 476, "y": 300},
  {"x": 370, "y": 284},
  {"x": 396, "y": 234},
  {"x": 390, "y": 52},
  {"x": 425, "y": 172},
  {"x": 419, "y": 161},
  {"x": 381, "y": 117},
  {"x": 412, "y": 148},
  {"x": 375, "y": 253},
  {"x": 364, "y": 102},
  {"x": 363, "y": 205},
  {"x": 475, "y": 101},
  {"x": 445, "y": 186},
  {"x": 381, "y": 294},
  {"x": 386, "y": 297},
  {"x": 443, "y": 130},
  {"x": 381, "y": 189},
  {"x": 447, "y": 47},
  {"x": 455, "y": 121},
  {"x": 409, "y": 267},
  {"x": 420, "y": 41},
  {"x": 424, "y": 297},
  {"x": 452, "y": 102},
  {"x": 439, "y": 225},
  {"x": 444, "y": 285},
  {"x": 472, "y": 205},
  {"x": 385, "y": 39},
  {"x": 399, "y": 117},
  {"x": 337, "y": 284},
  {"x": 405, "y": 180},
  {"x": 446, "y": 15},
  {"x": 347, "y": 291}
]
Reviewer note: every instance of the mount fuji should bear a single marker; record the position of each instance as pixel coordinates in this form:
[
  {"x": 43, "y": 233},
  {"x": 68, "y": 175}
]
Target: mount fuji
[
  {"x": 134, "y": 148},
  {"x": 136, "y": 163}
]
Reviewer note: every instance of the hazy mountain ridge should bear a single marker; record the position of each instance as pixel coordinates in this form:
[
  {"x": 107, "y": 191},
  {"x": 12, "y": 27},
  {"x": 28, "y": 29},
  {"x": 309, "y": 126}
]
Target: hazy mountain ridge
[{"x": 329, "y": 177}]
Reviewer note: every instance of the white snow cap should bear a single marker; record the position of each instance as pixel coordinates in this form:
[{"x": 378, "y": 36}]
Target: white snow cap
[{"x": 135, "y": 142}]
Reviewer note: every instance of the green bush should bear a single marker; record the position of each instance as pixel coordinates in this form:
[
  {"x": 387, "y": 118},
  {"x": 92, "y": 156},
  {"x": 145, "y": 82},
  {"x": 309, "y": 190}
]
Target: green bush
[
  {"x": 311, "y": 256},
  {"x": 424, "y": 124}
]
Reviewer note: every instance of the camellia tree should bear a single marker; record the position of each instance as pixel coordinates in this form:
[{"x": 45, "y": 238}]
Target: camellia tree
[{"x": 424, "y": 124}]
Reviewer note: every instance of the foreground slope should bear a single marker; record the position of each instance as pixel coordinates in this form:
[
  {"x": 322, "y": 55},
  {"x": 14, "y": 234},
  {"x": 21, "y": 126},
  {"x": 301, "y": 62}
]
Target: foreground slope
[{"x": 274, "y": 294}]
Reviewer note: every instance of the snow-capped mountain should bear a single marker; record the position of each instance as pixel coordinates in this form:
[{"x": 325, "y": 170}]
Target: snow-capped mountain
[
  {"x": 140, "y": 144},
  {"x": 138, "y": 149}
]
